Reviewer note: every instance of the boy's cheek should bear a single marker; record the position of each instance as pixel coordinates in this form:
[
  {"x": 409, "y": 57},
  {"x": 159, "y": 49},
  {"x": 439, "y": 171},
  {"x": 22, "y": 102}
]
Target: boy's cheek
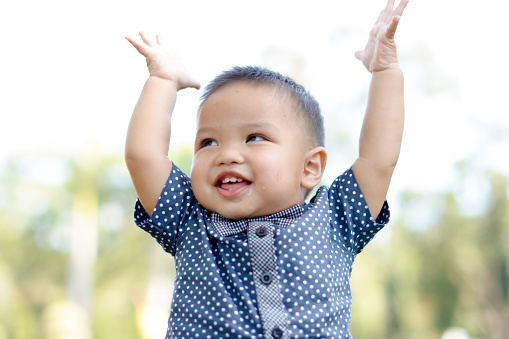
[
  {"x": 200, "y": 193},
  {"x": 197, "y": 169},
  {"x": 197, "y": 180}
]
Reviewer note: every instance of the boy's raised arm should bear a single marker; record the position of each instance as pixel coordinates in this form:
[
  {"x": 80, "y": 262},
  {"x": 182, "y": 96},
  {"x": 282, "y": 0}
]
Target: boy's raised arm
[
  {"x": 382, "y": 129},
  {"x": 148, "y": 136}
]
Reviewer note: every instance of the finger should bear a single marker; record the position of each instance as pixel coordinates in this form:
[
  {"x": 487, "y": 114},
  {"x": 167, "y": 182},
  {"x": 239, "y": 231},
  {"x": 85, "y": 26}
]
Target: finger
[
  {"x": 141, "y": 48},
  {"x": 390, "y": 5},
  {"x": 391, "y": 30},
  {"x": 387, "y": 11},
  {"x": 146, "y": 39},
  {"x": 160, "y": 40},
  {"x": 401, "y": 7},
  {"x": 358, "y": 54}
]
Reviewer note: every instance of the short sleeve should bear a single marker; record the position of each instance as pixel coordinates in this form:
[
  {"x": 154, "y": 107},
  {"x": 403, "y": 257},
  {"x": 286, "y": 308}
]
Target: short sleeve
[
  {"x": 350, "y": 216},
  {"x": 175, "y": 202}
]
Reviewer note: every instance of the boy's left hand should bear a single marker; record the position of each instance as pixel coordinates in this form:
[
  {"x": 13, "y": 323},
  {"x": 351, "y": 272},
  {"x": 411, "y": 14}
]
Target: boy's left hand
[{"x": 380, "y": 51}]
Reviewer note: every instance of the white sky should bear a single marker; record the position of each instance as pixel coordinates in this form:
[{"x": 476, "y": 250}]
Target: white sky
[{"x": 69, "y": 80}]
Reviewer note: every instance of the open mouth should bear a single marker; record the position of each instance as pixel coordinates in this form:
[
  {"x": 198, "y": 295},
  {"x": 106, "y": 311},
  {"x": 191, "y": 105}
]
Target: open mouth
[{"x": 231, "y": 183}]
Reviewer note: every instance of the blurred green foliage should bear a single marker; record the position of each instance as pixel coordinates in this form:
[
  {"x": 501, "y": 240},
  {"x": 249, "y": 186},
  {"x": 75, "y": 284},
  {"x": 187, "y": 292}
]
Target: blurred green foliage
[{"x": 451, "y": 270}]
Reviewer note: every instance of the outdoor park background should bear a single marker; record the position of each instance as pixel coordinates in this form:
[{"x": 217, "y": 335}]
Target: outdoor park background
[{"x": 72, "y": 263}]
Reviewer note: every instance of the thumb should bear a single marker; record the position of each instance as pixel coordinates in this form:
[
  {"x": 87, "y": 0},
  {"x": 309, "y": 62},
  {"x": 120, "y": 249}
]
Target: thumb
[
  {"x": 195, "y": 83},
  {"x": 358, "y": 54},
  {"x": 190, "y": 82}
]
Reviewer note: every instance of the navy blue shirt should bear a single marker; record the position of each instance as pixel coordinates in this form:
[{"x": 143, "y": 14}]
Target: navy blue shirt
[{"x": 281, "y": 276}]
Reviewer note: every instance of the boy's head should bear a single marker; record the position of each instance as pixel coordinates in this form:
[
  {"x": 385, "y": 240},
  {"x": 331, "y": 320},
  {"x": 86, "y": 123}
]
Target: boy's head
[
  {"x": 306, "y": 105},
  {"x": 258, "y": 146}
]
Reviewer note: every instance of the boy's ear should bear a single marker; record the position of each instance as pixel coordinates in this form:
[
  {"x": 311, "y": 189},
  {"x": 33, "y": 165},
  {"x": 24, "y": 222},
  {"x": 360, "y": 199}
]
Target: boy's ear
[{"x": 314, "y": 165}]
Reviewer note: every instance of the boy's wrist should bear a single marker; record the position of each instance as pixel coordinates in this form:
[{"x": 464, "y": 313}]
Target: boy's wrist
[
  {"x": 394, "y": 67},
  {"x": 164, "y": 81}
]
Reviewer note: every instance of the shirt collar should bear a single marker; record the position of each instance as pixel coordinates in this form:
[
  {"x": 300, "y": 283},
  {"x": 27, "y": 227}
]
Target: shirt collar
[{"x": 226, "y": 227}]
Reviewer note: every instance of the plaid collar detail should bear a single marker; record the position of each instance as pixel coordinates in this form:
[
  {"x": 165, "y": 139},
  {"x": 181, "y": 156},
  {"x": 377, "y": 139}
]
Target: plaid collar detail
[{"x": 226, "y": 227}]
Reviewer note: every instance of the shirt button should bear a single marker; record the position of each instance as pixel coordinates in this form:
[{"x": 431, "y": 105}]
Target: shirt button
[
  {"x": 261, "y": 231},
  {"x": 277, "y": 333},
  {"x": 266, "y": 278}
]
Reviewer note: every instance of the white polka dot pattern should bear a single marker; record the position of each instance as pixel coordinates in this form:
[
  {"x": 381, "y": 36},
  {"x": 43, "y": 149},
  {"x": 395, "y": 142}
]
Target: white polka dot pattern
[{"x": 215, "y": 293}]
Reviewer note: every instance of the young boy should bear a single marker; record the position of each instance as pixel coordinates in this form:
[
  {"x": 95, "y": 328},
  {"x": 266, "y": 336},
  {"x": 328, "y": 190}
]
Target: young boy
[{"x": 252, "y": 259}]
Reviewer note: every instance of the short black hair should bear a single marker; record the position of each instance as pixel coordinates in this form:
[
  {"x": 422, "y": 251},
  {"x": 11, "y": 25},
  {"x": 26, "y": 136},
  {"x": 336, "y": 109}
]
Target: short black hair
[{"x": 305, "y": 101}]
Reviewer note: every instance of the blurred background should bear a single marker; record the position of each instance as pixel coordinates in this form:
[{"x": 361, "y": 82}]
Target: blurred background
[{"x": 72, "y": 262}]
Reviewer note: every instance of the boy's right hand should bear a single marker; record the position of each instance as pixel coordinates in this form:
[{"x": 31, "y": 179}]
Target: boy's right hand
[
  {"x": 380, "y": 51},
  {"x": 164, "y": 62}
]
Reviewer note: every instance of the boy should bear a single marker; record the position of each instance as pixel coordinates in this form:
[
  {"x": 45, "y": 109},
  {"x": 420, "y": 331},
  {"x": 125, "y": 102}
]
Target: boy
[{"x": 252, "y": 259}]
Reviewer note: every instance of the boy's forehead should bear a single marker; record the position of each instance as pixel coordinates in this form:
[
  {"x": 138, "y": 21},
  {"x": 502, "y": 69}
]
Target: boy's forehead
[{"x": 246, "y": 93}]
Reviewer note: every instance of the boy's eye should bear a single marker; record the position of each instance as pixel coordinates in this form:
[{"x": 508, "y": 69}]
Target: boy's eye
[
  {"x": 255, "y": 137},
  {"x": 208, "y": 142}
]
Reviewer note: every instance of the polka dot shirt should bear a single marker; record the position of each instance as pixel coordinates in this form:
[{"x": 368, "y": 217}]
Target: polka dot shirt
[{"x": 281, "y": 276}]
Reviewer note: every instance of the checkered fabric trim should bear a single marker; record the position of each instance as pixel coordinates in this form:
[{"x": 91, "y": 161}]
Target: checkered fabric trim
[
  {"x": 227, "y": 227},
  {"x": 260, "y": 237}
]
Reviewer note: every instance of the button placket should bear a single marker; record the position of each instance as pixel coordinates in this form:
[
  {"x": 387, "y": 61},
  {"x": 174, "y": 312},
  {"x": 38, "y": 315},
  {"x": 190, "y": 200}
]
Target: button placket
[{"x": 266, "y": 279}]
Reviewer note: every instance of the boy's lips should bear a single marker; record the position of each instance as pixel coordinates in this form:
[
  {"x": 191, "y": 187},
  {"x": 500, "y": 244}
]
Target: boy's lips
[{"x": 231, "y": 184}]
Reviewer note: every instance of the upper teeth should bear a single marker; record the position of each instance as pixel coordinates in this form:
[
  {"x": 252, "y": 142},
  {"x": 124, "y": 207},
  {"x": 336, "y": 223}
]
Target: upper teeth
[{"x": 231, "y": 179}]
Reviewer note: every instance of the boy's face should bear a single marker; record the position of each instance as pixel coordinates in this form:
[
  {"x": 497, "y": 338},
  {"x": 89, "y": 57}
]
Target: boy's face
[{"x": 250, "y": 152}]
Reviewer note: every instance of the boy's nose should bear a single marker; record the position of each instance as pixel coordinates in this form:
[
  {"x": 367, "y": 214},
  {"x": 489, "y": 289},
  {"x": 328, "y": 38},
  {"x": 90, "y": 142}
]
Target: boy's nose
[{"x": 230, "y": 155}]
